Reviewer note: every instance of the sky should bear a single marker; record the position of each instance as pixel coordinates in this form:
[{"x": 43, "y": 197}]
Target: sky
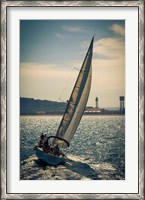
[{"x": 52, "y": 52}]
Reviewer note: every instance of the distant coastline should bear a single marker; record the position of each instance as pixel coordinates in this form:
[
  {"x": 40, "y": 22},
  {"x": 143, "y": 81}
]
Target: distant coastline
[{"x": 30, "y": 106}]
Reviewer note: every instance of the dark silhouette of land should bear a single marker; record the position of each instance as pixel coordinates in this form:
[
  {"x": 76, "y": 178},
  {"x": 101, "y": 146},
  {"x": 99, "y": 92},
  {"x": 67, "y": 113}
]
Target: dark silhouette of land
[{"x": 30, "y": 106}]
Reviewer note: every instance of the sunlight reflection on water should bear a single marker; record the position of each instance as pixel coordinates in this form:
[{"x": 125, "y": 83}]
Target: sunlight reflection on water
[{"x": 99, "y": 140}]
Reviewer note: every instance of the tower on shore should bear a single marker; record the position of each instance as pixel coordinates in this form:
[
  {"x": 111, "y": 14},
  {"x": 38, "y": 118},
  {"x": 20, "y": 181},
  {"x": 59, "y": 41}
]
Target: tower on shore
[
  {"x": 97, "y": 102},
  {"x": 121, "y": 103}
]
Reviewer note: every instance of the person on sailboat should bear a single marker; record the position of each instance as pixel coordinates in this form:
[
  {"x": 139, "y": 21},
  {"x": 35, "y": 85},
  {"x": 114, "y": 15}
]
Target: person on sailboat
[
  {"x": 45, "y": 139},
  {"x": 45, "y": 142},
  {"x": 40, "y": 143},
  {"x": 42, "y": 136},
  {"x": 56, "y": 150}
]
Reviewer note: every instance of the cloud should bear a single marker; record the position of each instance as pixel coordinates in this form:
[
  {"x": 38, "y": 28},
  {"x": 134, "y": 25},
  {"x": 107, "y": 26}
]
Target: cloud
[
  {"x": 118, "y": 29},
  {"x": 60, "y": 36},
  {"x": 37, "y": 66},
  {"x": 46, "y": 81},
  {"x": 46, "y": 71},
  {"x": 109, "y": 48},
  {"x": 108, "y": 75},
  {"x": 85, "y": 44},
  {"x": 74, "y": 29}
]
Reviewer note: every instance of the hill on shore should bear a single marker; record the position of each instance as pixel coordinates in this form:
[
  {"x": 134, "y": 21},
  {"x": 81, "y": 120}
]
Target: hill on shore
[{"x": 30, "y": 106}]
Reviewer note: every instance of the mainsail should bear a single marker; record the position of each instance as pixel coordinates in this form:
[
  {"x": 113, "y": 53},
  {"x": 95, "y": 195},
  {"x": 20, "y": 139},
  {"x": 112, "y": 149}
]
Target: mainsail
[{"x": 77, "y": 102}]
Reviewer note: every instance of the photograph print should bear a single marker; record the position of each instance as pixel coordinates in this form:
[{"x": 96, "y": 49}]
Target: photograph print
[{"x": 72, "y": 100}]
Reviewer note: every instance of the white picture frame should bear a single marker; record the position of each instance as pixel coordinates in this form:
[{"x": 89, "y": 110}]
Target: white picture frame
[{"x": 6, "y": 103}]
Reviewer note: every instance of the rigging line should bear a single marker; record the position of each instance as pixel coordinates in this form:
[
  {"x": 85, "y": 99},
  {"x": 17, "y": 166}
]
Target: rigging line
[
  {"x": 62, "y": 100},
  {"x": 69, "y": 83},
  {"x": 94, "y": 32},
  {"x": 76, "y": 68},
  {"x": 66, "y": 84}
]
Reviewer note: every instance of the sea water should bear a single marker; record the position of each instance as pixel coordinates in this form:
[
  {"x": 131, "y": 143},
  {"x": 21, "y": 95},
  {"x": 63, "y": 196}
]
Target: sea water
[{"x": 96, "y": 152}]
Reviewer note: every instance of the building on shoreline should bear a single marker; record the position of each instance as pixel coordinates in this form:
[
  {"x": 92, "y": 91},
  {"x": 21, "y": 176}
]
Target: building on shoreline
[{"x": 96, "y": 110}]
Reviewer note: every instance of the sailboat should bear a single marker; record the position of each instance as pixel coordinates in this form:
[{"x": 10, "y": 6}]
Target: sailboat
[{"x": 73, "y": 112}]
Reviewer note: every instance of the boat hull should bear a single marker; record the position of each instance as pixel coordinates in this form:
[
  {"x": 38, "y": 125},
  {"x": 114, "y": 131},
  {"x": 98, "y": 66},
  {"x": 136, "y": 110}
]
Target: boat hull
[{"x": 49, "y": 158}]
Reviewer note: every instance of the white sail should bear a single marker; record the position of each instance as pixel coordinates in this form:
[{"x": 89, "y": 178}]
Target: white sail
[{"x": 77, "y": 102}]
